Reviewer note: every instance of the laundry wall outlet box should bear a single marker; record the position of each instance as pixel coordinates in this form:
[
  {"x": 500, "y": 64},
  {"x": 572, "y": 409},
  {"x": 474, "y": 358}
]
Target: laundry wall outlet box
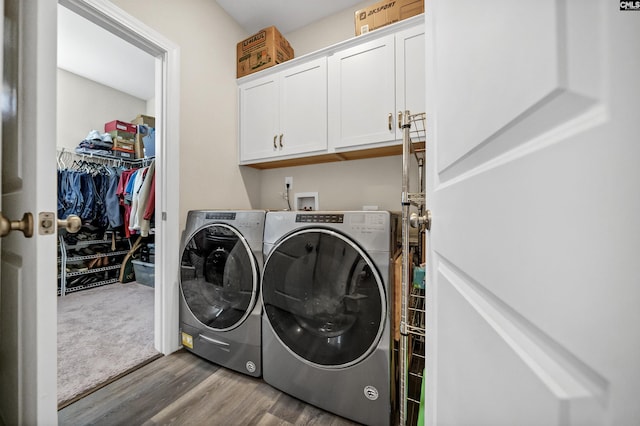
[
  {"x": 262, "y": 50},
  {"x": 386, "y": 12},
  {"x": 120, "y": 125}
]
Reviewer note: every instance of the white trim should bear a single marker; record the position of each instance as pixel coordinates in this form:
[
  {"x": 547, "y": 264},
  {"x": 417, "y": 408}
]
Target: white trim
[{"x": 167, "y": 111}]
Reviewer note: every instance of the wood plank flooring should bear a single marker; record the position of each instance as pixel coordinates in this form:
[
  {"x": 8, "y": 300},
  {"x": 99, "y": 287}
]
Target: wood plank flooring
[{"x": 183, "y": 389}]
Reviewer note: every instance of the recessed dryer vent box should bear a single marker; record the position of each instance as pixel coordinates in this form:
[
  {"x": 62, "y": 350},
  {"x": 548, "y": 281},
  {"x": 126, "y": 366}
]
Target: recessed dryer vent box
[{"x": 307, "y": 201}]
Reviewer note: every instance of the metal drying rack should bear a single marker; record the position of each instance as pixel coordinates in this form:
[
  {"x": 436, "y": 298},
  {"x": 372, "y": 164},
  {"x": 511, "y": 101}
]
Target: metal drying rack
[{"x": 413, "y": 313}]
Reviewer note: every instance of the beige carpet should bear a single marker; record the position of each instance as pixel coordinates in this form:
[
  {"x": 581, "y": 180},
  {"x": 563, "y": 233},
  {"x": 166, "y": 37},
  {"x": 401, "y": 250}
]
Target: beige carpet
[{"x": 102, "y": 333}]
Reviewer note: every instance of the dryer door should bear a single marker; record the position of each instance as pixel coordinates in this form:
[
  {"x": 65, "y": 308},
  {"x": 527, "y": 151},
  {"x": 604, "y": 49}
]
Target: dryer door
[
  {"x": 219, "y": 277},
  {"x": 323, "y": 298}
]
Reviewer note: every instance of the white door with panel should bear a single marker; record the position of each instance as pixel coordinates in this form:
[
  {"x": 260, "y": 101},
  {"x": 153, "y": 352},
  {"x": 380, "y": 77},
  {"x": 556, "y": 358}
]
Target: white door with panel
[
  {"x": 28, "y": 368},
  {"x": 285, "y": 113},
  {"x": 534, "y": 302}
]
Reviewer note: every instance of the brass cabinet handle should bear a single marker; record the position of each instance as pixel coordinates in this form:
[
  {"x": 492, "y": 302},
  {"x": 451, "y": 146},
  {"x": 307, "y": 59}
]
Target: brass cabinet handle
[
  {"x": 275, "y": 146},
  {"x": 399, "y": 119},
  {"x": 281, "y": 140},
  {"x": 24, "y": 225},
  {"x": 390, "y": 121}
]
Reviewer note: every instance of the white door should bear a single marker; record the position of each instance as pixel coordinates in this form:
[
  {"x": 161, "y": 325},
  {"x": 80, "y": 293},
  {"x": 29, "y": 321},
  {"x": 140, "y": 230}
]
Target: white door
[
  {"x": 28, "y": 366},
  {"x": 533, "y": 151}
]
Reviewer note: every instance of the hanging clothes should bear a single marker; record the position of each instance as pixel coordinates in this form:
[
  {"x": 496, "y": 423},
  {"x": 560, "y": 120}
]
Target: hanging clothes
[
  {"x": 124, "y": 197},
  {"x": 134, "y": 192},
  {"x": 84, "y": 190},
  {"x": 137, "y": 220}
]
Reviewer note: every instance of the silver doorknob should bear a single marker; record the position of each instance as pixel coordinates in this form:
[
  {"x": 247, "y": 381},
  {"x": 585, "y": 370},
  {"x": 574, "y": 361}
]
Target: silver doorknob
[
  {"x": 418, "y": 221},
  {"x": 25, "y": 225},
  {"x": 72, "y": 223}
]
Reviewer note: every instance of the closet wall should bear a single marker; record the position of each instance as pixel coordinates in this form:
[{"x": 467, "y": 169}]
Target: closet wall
[{"x": 84, "y": 105}]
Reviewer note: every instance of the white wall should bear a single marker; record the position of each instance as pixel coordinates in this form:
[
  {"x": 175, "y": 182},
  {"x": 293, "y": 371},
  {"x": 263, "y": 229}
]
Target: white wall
[
  {"x": 345, "y": 185},
  {"x": 207, "y": 36},
  {"x": 325, "y": 32},
  {"x": 84, "y": 105},
  {"x": 210, "y": 176}
]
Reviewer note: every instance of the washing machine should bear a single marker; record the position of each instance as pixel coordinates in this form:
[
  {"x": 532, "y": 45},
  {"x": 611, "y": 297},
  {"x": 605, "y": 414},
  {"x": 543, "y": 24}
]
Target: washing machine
[
  {"x": 220, "y": 266},
  {"x": 326, "y": 322}
]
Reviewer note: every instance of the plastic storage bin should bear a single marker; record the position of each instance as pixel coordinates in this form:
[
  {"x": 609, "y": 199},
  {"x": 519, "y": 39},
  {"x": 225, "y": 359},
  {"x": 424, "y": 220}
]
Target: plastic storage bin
[{"x": 145, "y": 272}]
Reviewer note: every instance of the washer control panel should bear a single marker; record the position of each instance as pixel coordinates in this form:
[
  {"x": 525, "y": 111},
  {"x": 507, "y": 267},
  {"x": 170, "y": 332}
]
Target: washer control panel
[
  {"x": 367, "y": 222},
  {"x": 221, "y": 216},
  {"x": 320, "y": 218}
]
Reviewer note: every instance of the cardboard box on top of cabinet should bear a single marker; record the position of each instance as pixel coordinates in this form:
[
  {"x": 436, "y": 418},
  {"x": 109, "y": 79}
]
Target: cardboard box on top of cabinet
[
  {"x": 386, "y": 12},
  {"x": 262, "y": 50}
]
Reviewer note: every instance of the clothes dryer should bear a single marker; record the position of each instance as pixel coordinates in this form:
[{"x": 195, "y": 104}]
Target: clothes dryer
[
  {"x": 326, "y": 293},
  {"x": 220, "y": 265}
]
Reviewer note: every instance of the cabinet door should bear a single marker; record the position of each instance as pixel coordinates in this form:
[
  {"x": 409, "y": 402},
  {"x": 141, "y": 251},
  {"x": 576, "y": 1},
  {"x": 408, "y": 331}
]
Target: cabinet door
[
  {"x": 410, "y": 72},
  {"x": 362, "y": 94},
  {"x": 258, "y": 117},
  {"x": 303, "y": 108}
]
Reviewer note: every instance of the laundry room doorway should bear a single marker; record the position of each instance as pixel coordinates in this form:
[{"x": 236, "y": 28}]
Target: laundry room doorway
[{"x": 165, "y": 107}]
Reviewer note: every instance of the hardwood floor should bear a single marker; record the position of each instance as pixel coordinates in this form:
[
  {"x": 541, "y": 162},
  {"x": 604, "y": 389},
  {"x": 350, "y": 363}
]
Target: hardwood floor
[{"x": 183, "y": 389}]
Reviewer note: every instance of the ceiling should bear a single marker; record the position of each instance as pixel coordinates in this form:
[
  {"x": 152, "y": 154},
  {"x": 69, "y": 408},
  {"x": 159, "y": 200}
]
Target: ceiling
[
  {"x": 286, "y": 15},
  {"x": 92, "y": 52}
]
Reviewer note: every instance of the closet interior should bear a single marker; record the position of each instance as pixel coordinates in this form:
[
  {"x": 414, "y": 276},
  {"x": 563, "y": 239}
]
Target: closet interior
[
  {"x": 106, "y": 177},
  {"x": 105, "y": 135},
  {"x": 102, "y": 192}
]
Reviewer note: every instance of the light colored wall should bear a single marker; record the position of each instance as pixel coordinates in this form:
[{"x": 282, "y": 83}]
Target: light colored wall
[
  {"x": 345, "y": 185},
  {"x": 325, "y": 32},
  {"x": 210, "y": 176},
  {"x": 84, "y": 105},
  {"x": 207, "y": 37}
]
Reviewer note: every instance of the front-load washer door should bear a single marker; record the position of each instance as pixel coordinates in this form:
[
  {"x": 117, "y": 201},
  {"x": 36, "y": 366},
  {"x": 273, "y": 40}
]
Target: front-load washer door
[
  {"x": 218, "y": 276},
  {"x": 323, "y": 298}
]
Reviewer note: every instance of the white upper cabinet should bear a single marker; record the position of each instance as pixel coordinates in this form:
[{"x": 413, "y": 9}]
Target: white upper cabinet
[
  {"x": 285, "y": 113},
  {"x": 371, "y": 84},
  {"x": 362, "y": 94},
  {"x": 259, "y": 118},
  {"x": 410, "y": 72},
  {"x": 342, "y": 102}
]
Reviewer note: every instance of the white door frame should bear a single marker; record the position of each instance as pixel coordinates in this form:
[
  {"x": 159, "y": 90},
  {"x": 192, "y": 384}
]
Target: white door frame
[{"x": 167, "y": 103}]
